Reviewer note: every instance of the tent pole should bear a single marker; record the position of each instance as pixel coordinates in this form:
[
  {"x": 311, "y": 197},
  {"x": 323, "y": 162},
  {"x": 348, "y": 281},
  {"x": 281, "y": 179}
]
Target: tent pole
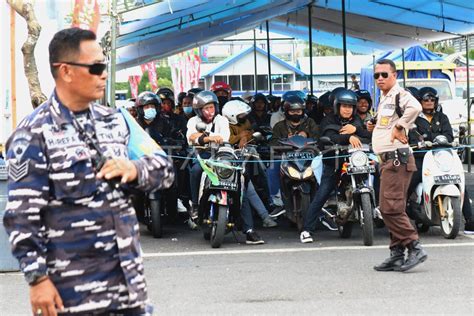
[
  {"x": 255, "y": 61},
  {"x": 13, "y": 66},
  {"x": 373, "y": 86},
  {"x": 404, "y": 73},
  {"x": 113, "y": 53},
  {"x": 468, "y": 108},
  {"x": 269, "y": 61},
  {"x": 344, "y": 40},
  {"x": 310, "y": 33}
]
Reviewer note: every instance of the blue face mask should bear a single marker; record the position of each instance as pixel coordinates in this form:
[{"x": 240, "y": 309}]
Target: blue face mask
[
  {"x": 150, "y": 114},
  {"x": 187, "y": 110}
]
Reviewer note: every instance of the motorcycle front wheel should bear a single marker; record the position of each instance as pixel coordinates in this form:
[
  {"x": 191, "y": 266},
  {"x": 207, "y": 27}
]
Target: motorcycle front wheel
[
  {"x": 451, "y": 223},
  {"x": 367, "y": 221},
  {"x": 219, "y": 227},
  {"x": 156, "y": 224}
]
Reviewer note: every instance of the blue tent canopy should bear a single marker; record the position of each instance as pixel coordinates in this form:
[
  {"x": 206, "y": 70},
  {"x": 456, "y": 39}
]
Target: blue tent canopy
[{"x": 165, "y": 28}]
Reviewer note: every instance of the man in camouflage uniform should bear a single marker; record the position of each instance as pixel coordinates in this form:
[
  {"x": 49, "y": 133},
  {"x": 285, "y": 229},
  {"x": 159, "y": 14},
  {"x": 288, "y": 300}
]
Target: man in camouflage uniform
[{"x": 69, "y": 218}]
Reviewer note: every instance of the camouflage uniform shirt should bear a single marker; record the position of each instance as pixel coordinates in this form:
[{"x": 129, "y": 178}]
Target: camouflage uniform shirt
[{"x": 63, "y": 222}]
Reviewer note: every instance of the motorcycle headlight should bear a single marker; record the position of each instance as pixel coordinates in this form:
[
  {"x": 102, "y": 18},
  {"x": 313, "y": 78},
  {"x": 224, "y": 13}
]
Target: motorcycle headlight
[
  {"x": 359, "y": 159},
  {"x": 444, "y": 160},
  {"x": 293, "y": 173},
  {"x": 223, "y": 172},
  {"x": 308, "y": 173}
]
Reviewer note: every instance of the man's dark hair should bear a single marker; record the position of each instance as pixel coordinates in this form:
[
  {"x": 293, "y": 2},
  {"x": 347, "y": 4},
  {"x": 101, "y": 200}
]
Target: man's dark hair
[
  {"x": 65, "y": 46},
  {"x": 387, "y": 62}
]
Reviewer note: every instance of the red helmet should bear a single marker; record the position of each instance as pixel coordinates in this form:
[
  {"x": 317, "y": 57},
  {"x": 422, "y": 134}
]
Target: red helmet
[{"x": 221, "y": 85}]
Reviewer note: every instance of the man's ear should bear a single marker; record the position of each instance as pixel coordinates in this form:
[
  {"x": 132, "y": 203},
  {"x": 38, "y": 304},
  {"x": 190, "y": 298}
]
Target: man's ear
[{"x": 65, "y": 73}]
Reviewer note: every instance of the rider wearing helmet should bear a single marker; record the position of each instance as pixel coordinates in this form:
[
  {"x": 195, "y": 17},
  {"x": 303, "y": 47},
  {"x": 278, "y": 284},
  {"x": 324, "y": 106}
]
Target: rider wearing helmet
[
  {"x": 205, "y": 105},
  {"x": 364, "y": 105},
  {"x": 343, "y": 128},
  {"x": 279, "y": 116},
  {"x": 237, "y": 112},
  {"x": 223, "y": 92},
  {"x": 311, "y": 102},
  {"x": 259, "y": 117},
  {"x": 296, "y": 122},
  {"x": 148, "y": 107},
  {"x": 177, "y": 122}
]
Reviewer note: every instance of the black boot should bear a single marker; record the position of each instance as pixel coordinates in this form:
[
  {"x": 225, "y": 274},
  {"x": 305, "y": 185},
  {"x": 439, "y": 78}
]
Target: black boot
[
  {"x": 416, "y": 255},
  {"x": 395, "y": 261}
]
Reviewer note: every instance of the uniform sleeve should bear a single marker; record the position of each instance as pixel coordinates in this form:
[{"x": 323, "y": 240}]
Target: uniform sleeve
[
  {"x": 28, "y": 195},
  {"x": 155, "y": 172},
  {"x": 411, "y": 109}
]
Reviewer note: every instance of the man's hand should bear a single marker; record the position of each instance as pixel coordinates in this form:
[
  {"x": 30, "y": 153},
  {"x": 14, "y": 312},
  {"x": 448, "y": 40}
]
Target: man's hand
[
  {"x": 243, "y": 141},
  {"x": 215, "y": 139},
  {"x": 370, "y": 126},
  {"x": 355, "y": 142},
  {"x": 45, "y": 299},
  {"x": 303, "y": 133},
  {"x": 400, "y": 135},
  {"x": 119, "y": 167},
  {"x": 348, "y": 129}
]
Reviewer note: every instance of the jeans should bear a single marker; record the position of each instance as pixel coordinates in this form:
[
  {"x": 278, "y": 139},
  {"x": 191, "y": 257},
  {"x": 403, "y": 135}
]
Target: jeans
[
  {"x": 328, "y": 183},
  {"x": 273, "y": 174},
  {"x": 195, "y": 181},
  {"x": 251, "y": 199}
]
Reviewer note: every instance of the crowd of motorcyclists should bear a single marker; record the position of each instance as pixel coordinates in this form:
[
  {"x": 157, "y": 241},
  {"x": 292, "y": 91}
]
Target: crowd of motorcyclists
[{"x": 340, "y": 117}]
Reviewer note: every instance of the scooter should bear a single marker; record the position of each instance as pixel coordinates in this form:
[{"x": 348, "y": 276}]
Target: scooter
[
  {"x": 220, "y": 192},
  {"x": 297, "y": 180},
  {"x": 440, "y": 195}
]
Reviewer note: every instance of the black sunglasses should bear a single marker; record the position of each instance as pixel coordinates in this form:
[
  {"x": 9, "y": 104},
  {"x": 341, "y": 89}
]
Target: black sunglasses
[
  {"x": 94, "y": 69},
  {"x": 429, "y": 98},
  {"x": 383, "y": 74}
]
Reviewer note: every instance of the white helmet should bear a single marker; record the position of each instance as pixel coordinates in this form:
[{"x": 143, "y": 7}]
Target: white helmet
[{"x": 234, "y": 108}]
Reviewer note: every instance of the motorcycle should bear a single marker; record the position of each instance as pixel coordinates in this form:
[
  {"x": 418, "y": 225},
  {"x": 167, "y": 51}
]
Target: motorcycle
[
  {"x": 297, "y": 180},
  {"x": 220, "y": 192},
  {"x": 440, "y": 195},
  {"x": 356, "y": 187}
]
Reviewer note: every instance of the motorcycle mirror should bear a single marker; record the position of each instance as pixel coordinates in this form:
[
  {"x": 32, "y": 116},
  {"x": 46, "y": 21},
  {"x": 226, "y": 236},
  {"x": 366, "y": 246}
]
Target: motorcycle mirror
[
  {"x": 257, "y": 136},
  {"x": 325, "y": 140},
  {"x": 201, "y": 127},
  {"x": 441, "y": 140}
]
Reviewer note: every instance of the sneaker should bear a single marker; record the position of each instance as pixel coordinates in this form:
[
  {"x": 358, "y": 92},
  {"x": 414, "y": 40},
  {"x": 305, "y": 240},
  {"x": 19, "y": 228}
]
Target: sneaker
[
  {"x": 193, "y": 212},
  {"x": 277, "y": 211},
  {"x": 329, "y": 223},
  {"x": 269, "y": 222},
  {"x": 253, "y": 238},
  {"x": 469, "y": 228},
  {"x": 276, "y": 199},
  {"x": 192, "y": 224},
  {"x": 181, "y": 207},
  {"x": 305, "y": 237},
  {"x": 378, "y": 213}
]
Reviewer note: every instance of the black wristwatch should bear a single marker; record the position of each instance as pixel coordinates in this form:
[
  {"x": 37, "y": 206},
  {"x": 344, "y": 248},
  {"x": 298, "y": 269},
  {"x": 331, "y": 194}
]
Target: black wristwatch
[{"x": 33, "y": 277}]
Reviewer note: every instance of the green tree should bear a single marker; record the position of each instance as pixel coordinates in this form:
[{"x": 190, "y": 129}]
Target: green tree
[
  {"x": 440, "y": 47},
  {"x": 322, "y": 50},
  {"x": 471, "y": 54}
]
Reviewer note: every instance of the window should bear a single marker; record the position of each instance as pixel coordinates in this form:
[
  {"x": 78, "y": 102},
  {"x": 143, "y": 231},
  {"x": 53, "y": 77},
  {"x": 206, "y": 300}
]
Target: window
[
  {"x": 220, "y": 78},
  {"x": 262, "y": 82},
  {"x": 234, "y": 82},
  {"x": 247, "y": 83}
]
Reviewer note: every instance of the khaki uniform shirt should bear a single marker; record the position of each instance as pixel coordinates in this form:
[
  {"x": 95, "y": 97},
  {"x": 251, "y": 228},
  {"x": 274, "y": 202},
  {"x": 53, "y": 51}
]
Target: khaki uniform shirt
[{"x": 387, "y": 118}]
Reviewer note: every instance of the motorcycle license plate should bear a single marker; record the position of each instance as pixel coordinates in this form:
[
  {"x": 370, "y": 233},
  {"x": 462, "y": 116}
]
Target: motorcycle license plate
[
  {"x": 447, "y": 179},
  {"x": 363, "y": 169},
  {"x": 226, "y": 185},
  {"x": 299, "y": 156}
]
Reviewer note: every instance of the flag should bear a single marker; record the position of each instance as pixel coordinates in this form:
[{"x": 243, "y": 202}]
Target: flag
[
  {"x": 86, "y": 15},
  {"x": 185, "y": 70},
  {"x": 134, "y": 81},
  {"x": 150, "y": 67}
]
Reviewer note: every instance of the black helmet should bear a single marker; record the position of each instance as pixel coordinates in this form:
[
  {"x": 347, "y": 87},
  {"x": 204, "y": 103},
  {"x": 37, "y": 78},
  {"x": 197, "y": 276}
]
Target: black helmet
[
  {"x": 259, "y": 96},
  {"x": 312, "y": 99},
  {"x": 181, "y": 96},
  {"x": 293, "y": 102},
  {"x": 428, "y": 92},
  {"x": 203, "y": 98},
  {"x": 333, "y": 93},
  {"x": 345, "y": 96},
  {"x": 364, "y": 94},
  {"x": 166, "y": 93},
  {"x": 193, "y": 91},
  {"x": 144, "y": 98},
  {"x": 414, "y": 92},
  {"x": 324, "y": 100}
]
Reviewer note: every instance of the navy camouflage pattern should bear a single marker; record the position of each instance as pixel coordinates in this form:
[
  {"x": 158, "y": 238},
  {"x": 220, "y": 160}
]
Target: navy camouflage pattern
[{"x": 63, "y": 222}]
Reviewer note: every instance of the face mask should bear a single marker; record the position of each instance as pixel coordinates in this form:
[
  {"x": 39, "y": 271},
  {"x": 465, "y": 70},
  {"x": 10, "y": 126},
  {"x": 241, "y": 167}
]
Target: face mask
[
  {"x": 150, "y": 114},
  {"x": 187, "y": 110},
  {"x": 222, "y": 100},
  {"x": 241, "y": 120},
  {"x": 295, "y": 118}
]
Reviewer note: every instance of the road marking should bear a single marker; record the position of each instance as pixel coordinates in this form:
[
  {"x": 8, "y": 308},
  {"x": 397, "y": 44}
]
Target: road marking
[{"x": 287, "y": 250}]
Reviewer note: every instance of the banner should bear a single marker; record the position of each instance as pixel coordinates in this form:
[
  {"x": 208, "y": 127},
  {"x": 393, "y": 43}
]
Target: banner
[
  {"x": 461, "y": 75},
  {"x": 185, "y": 70},
  {"x": 86, "y": 15},
  {"x": 134, "y": 82},
  {"x": 152, "y": 76}
]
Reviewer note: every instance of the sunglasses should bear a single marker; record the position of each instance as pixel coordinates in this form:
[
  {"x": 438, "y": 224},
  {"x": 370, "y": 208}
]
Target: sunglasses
[
  {"x": 383, "y": 74},
  {"x": 429, "y": 99},
  {"x": 94, "y": 69}
]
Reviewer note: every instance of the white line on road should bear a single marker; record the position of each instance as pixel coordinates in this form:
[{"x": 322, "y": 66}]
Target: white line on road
[{"x": 284, "y": 250}]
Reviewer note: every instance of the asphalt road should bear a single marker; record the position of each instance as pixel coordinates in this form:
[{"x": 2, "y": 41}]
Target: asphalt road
[{"x": 331, "y": 276}]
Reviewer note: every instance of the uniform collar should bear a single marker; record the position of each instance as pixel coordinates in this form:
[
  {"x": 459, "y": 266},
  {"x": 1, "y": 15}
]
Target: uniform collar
[
  {"x": 62, "y": 115},
  {"x": 393, "y": 91}
]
